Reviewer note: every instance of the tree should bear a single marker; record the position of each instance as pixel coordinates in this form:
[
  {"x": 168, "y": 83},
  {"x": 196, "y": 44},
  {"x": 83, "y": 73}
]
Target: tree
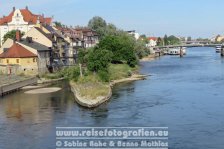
[
  {"x": 160, "y": 42},
  {"x": 143, "y": 38},
  {"x": 111, "y": 29},
  {"x": 165, "y": 39},
  {"x": 173, "y": 40},
  {"x": 122, "y": 47},
  {"x": 140, "y": 49},
  {"x": 58, "y": 24},
  {"x": 11, "y": 35},
  {"x": 99, "y": 59},
  {"x": 99, "y": 25},
  {"x": 83, "y": 55}
]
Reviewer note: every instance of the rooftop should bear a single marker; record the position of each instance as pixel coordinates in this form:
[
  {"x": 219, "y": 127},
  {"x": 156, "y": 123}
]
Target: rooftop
[
  {"x": 17, "y": 51},
  {"x": 28, "y": 16}
]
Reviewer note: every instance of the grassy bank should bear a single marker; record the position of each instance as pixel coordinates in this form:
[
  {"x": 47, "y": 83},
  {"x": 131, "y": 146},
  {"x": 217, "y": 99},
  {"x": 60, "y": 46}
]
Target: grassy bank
[
  {"x": 121, "y": 71},
  {"x": 91, "y": 87},
  {"x": 90, "y": 90}
]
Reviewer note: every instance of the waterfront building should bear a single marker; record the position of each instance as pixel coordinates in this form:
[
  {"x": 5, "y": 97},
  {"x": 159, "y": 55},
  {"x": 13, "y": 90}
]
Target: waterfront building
[
  {"x": 152, "y": 42},
  {"x": 18, "y": 60},
  {"x": 134, "y": 34},
  {"x": 219, "y": 38},
  {"x": 25, "y": 56},
  {"x": 89, "y": 36},
  {"x": 21, "y": 19}
]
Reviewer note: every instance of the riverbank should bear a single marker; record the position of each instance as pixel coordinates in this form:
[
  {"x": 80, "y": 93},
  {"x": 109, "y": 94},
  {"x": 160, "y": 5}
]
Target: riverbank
[{"x": 102, "y": 92}]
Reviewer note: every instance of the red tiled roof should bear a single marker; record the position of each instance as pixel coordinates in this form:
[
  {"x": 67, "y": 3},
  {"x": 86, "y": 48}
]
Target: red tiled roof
[
  {"x": 152, "y": 38},
  {"x": 6, "y": 19},
  {"x": 17, "y": 51},
  {"x": 28, "y": 16}
]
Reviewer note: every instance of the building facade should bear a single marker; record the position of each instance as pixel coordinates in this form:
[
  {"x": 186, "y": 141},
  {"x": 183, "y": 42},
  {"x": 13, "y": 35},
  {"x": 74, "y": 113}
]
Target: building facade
[
  {"x": 20, "y": 19},
  {"x": 18, "y": 60}
]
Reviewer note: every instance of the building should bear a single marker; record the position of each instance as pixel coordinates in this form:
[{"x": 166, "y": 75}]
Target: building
[
  {"x": 18, "y": 60},
  {"x": 39, "y": 36},
  {"x": 21, "y": 19},
  {"x": 7, "y": 44},
  {"x": 42, "y": 53},
  {"x": 134, "y": 34},
  {"x": 89, "y": 37},
  {"x": 219, "y": 38},
  {"x": 75, "y": 43},
  {"x": 152, "y": 42}
]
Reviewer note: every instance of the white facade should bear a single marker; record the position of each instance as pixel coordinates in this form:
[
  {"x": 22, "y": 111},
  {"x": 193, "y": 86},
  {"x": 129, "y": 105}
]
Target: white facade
[
  {"x": 133, "y": 33},
  {"x": 152, "y": 43},
  {"x": 17, "y": 23}
]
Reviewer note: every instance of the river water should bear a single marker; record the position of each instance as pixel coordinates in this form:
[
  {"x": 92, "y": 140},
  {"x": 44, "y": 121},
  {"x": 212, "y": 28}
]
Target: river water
[{"x": 184, "y": 94}]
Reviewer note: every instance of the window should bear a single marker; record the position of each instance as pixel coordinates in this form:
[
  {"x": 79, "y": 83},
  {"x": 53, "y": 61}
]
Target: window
[
  {"x": 7, "y": 61},
  {"x": 34, "y": 60},
  {"x": 17, "y": 60}
]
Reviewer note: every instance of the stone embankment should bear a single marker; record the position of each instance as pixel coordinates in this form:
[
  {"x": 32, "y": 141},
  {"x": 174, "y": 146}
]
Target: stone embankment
[{"x": 92, "y": 103}]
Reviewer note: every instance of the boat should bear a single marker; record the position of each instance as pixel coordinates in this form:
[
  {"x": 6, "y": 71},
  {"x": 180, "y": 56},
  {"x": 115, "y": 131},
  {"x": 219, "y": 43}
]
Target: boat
[
  {"x": 218, "y": 49},
  {"x": 176, "y": 51}
]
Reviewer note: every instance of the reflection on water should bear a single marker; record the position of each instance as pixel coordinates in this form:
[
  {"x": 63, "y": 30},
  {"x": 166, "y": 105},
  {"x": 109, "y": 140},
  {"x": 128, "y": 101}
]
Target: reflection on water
[{"x": 184, "y": 94}]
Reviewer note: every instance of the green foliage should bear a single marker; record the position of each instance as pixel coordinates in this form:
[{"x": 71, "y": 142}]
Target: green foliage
[
  {"x": 120, "y": 71},
  {"x": 11, "y": 35},
  {"x": 71, "y": 73},
  {"x": 104, "y": 75},
  {"x": 82, "y": 56},
  {"x": 98, "y": 59},
  {"x": 160, "y": 42},
  {"x": 58, "y": 24},
  {"x": 171, "y": 40},
  {"x": 141, "y": 50},
  {"x": 165, "y": 39},
  {"x": 143, "y": 38},
  {"x": 121, "y": 46},
  {"x": 99, "y": 25}
]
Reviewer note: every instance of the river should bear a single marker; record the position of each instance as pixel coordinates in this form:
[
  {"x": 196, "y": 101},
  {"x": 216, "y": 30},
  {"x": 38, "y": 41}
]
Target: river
[{"x": 184, "y": 94}]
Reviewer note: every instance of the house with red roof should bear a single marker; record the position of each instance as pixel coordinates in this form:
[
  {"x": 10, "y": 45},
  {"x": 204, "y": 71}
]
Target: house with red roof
[
  {"x": 25, "y": 56},
  {"x": 21, "y": 19},
  {"x": 152, "y": 41},
  {"x": 18, "y": 60}
]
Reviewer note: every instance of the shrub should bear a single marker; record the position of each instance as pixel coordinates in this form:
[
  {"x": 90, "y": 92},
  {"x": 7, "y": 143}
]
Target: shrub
[{"x": 104, "y": 75}]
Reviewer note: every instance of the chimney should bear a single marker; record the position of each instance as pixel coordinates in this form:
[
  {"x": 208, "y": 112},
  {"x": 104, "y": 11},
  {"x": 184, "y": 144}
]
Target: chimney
[
  {"x": 18, "y": 35},
  {"x": 38, "y": 20},
  {"x": 27, "y": 8},
  {"x": 29, "y": 39},
  {"x": 14, "y": 8}
]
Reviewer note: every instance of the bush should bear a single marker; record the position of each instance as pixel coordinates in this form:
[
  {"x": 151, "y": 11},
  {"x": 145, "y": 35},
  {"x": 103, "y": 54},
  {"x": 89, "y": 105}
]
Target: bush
[
  {"x": 71, "y": 73},
  {"x": 121, "y": 46},
  {"x": 104, "y": 75},
  {"x": 98, "y": 59}
]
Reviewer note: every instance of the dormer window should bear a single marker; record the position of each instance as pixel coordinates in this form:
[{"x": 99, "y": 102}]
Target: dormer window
[{"x": 17, "y": 15}]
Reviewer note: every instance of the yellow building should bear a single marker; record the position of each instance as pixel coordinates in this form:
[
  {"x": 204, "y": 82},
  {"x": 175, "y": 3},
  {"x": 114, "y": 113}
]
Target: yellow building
[{"x": 18, "y": 60}]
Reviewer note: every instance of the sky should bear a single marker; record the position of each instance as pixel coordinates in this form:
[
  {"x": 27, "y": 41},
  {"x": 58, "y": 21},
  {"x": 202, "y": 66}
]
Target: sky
[{"x": 195, "y": 18}]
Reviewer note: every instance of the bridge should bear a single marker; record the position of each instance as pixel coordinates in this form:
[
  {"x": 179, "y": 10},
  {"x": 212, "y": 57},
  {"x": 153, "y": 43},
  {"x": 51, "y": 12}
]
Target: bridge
[
  {"x": 186, "y": 45},
  {"x": 160, "y": 50}
]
